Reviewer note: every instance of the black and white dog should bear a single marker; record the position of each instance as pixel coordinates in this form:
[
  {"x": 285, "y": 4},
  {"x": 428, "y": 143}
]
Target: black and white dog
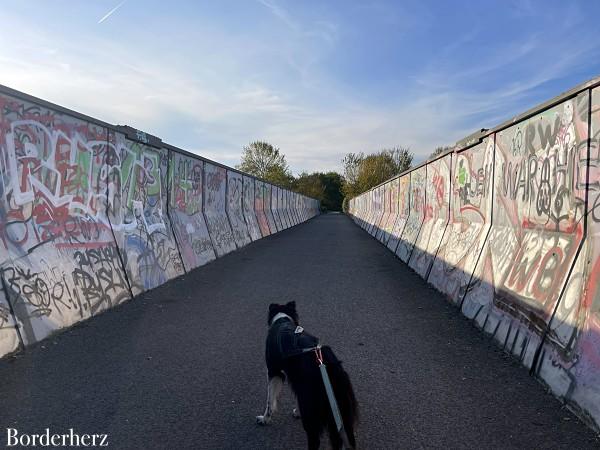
[{"x": 290, "y": 353}]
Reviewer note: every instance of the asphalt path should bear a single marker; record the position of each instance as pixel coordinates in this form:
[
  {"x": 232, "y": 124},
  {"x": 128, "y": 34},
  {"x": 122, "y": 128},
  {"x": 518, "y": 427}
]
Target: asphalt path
[{"x": 182, "y": 366}]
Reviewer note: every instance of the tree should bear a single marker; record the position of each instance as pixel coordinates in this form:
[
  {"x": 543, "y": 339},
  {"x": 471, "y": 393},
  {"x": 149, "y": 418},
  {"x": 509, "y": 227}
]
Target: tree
[
  {"x": 310, "y": 185},
  {"x": 402, "y": 157},
  {"x": 265, "y": 161},
  {"x": 351, "y": 166},
  {"x": 333, "y": 197},
  {"x": 440, "y": 150},
  {"x": 361, "y": 172},
  {"x": 325, "y": 187}
]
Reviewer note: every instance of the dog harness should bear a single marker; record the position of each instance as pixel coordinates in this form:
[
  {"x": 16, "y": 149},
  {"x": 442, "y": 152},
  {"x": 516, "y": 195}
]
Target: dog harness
[{"x": 286, "y": 340}]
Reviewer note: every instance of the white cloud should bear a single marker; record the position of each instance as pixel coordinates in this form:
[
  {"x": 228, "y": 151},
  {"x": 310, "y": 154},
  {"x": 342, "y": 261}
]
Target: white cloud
[{"x": 216, "y": 91}]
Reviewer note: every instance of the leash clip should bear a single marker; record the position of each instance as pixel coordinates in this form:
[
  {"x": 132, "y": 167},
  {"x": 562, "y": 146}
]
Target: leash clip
[{"x": 319, "y": 354}]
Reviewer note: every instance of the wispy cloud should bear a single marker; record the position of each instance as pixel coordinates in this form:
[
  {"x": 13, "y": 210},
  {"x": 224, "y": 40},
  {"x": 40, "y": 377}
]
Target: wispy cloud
[
  {"x": 221, "y": 89},
  {"x": 111, "y": 12},
  {"x": 280, "y": 13},
  {"x": 307, "y": 42}
]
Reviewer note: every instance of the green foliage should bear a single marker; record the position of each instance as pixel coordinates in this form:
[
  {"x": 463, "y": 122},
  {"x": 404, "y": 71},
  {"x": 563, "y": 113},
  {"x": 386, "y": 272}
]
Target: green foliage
[
  {"x": 333, "y": 197},
  {"x": 362, "y": 172},
  {"x": 325, "y": 187},
  {"x": 345, "y": 204},
  {"x": 310, "y": 185},
  {"x": 265, "y": 161},
  {"x": 440, "y": 150}
]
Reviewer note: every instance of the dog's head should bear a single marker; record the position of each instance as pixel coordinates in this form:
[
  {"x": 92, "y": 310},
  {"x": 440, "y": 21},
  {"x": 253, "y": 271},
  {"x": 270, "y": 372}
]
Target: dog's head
[{"x": 289, "y": 309}]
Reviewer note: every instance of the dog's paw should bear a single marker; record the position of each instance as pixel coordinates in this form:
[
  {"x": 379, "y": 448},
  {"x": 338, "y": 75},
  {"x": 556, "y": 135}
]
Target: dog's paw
[
  {"x": 263, "y": 420},
  {"x": 296, "y": 413}
]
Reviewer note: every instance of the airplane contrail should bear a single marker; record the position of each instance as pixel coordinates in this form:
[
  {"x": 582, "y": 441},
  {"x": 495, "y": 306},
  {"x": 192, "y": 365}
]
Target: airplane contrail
[{"x": 108, "y": 14}]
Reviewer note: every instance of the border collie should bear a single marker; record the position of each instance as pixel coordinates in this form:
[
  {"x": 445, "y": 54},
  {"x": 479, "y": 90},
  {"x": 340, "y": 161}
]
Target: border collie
[{"x": 290, "y": 353}]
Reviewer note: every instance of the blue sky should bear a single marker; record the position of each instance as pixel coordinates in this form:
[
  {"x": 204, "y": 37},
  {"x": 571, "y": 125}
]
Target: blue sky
[{"x": 316, "y": 78}]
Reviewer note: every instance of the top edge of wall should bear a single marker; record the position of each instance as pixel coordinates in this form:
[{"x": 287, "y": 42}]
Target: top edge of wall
[
  {"x": 30, "y": 98},
  {"x": 129, "y": 132},
  {"x": 478, "y": 136},
  {"x": 412, "y": 169},
  {"x": 571, "y": 93},
  {"x": 206, "y": 160},
  {"x": 134, "y": 134}
]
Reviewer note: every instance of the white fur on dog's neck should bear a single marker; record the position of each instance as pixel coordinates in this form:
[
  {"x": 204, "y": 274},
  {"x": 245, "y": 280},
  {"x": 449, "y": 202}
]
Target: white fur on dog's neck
[{"x": 279, "y": 316}]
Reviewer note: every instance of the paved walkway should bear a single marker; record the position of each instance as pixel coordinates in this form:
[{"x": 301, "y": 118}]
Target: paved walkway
[{"x": 182, "y": 366}]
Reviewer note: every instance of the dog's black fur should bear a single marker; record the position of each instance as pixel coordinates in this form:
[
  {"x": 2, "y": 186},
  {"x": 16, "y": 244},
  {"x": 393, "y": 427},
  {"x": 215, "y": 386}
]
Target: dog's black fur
[{"x": 304, "y": 376}]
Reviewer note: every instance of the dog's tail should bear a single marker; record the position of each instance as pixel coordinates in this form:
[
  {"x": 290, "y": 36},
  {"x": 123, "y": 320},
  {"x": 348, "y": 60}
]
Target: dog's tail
[{"x": 344, "y": 393}]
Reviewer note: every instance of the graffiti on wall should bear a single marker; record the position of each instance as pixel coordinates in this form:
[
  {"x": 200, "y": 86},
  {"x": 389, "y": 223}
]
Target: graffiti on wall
[
  {"x": 58, "y": 260},
  {"x": 259, "y": 206},
  {"x": 267, "y": 188},
  {"x": 385, "y": 211},
  {"x": 283, "y": 212},
  {"x": 137, "y": 201},
  {"x": 293, "y": 208},
  {"x": 9, "y": 338},
  {"x": 418, "y": 179},
  {"x": 403, "y": 212},
  {"x": 185, "y": 211},
  {"x": 389, "y": 221},
  {"x": 235, "y": 189},
  {"x": 248, "y": 205},
  {"x": 436, "y": 215},
  {"x": 89, "y": 218},
  {"x": 215, "y": 188},
  {"x": 470, "y": 220},
  {"x": 377, "y": 210},
  {"x": 570, "y": 360},
  {"x": 275, "y": 207},
  {"x": 520, "y": 252}
]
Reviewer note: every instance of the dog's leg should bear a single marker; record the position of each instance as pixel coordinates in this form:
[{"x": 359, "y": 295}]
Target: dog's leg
[
  {"x": 334, "y": 437},
  {"x": 273, "y": 391},
  {"x": 314, "y": 440}
]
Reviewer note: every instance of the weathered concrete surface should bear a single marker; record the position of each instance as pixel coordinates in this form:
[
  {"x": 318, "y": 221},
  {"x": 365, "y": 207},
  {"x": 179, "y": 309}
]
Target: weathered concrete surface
[
  {"x": 249, "y": 213},
  {"x": 182, "y": 366},
  {"x": 185, "y": 210},
  {"x": 235, "y": 211},
  {"x": 521, "y": 254},
  {"x": 215, "y": 192}
]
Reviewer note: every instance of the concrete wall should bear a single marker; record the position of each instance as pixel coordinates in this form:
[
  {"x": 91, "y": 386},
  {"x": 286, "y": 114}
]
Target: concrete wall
[
  {"x": 506, "y": 225},
  {"x": 259, "y": 207},
  {"x": 137, "y": 186},
  {"x": 235, "y": 189},
  {"x": 470, "y": 220},
  {"x": 436, "y": 216},
  {"x": 215, "y": 191},
  {"x": 249, "y": 212},
  {"x": 275, "y": 208},
  {"x": 417, "y": 204},
  {"x": 292, "y": 206},
  {"x": 387, "y": 224},
  {"x": 92, "y": 214},
  {"x": 267, "y": 188},
  {"x": 185, "y": 210},
  {"x": 283, "y": 213},
  {"x": 58, "y": 257}
]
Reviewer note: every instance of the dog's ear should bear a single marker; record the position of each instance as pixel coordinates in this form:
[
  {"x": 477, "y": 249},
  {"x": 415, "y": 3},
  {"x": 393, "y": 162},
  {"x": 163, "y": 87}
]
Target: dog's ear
[
  {"x": 272, "y": 306},
  {"x": 291, "y": 311},
  {"x": 291, "y": 305}
]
